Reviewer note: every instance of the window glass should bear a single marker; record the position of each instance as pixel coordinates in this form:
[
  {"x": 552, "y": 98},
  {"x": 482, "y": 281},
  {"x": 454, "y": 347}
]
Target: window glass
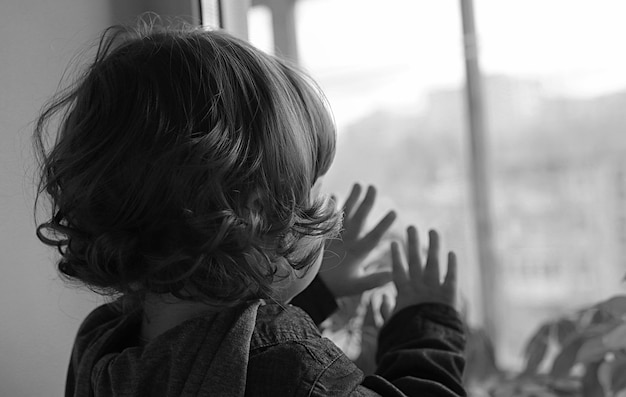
[
  {"x": 555, "y": 86},
  {"x": 555, "y": 93},
  {"x": 392, "y": 72}
]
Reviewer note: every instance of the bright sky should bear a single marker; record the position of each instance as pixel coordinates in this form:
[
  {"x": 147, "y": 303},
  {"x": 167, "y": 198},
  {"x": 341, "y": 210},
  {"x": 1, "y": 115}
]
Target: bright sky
[{"x": 366, "y": 53}]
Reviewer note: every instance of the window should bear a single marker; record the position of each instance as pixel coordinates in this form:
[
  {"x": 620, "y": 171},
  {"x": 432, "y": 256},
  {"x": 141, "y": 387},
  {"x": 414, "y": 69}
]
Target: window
[{"x": 555, "y": 93}]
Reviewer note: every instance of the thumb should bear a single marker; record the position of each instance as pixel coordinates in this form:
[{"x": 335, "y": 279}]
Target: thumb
[
  {"x": 386, "y": 308},
  {"x": 373, "y": 280},
  {"x": 369, "y": 320}
]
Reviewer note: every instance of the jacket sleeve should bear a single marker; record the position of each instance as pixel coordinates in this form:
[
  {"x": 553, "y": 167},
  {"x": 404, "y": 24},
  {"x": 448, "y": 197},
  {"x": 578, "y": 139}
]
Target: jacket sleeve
[
  {"x": 420, "y": 353},
  {"x": 316, "y": 300}
]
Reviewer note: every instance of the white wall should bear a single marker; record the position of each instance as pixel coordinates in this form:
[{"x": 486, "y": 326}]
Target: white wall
[{"x": 39, "y": 315}]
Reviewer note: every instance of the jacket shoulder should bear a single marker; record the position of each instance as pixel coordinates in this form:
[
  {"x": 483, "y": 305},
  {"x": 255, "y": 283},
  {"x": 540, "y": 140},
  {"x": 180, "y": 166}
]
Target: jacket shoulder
[
  {"x": 288, "y": 356},
  {"x": 299, "y": 367}
]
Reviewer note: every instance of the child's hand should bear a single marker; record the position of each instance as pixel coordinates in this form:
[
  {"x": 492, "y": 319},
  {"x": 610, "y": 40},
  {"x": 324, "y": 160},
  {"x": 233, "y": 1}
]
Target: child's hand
[
  {"x": 342, "y": 269},
  {"x": 422, "y": 284},
  {"x": 366, "y": 361}
]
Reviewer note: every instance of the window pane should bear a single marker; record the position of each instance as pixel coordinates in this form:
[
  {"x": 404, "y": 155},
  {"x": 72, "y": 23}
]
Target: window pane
[
  {"x": 556, "y": 93},
  {"x": 393, "y": 72}
]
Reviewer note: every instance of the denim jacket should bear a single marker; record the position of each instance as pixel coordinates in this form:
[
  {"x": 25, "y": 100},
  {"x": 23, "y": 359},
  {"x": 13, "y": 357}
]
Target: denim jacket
[{"x": 260, "y": 349}]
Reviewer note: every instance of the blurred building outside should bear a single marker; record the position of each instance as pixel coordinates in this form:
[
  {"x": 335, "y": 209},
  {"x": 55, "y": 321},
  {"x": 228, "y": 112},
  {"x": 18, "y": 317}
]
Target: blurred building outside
[{"x": 558, "y": 151}]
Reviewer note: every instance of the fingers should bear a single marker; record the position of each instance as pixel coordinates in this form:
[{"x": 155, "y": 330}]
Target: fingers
[
  {"x": 431, "y": 270},
  {"x": 371, "y": 239},
  {"x": 355, "y": 223},
  {"x": 450, "y": 280},
  {"x": 374, "y": 280},
  {"x": 369, "y": 320},
  {"x": 399, "y": 272},
  {"x": 353, "y": 197},
  {"x": 415, "y": 263},
  {"x": 429, "y": 274},
  {"x": 416, "y": 284},
  {"x": 386, "y": 308}
]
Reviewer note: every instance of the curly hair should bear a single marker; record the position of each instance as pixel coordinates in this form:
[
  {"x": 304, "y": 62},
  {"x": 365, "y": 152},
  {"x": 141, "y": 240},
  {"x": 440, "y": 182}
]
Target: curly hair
[{"x": 183, "y": 160}]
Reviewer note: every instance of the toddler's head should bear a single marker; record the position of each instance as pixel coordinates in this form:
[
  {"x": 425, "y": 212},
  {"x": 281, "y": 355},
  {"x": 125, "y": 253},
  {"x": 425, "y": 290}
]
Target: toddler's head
[{"x": 183, "y": 164}]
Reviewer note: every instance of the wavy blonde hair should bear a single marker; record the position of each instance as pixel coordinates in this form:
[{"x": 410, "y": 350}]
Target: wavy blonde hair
[{"x": 183, "y": 161}]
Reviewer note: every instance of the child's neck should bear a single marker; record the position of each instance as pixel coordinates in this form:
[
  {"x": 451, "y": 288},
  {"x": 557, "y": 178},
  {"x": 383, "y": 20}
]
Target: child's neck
[{"x": 162, "y": 313}]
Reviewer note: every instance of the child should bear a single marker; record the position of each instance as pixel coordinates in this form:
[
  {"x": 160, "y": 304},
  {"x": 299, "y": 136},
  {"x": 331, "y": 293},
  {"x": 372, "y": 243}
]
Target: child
[{"x": 183, "y": 182}]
